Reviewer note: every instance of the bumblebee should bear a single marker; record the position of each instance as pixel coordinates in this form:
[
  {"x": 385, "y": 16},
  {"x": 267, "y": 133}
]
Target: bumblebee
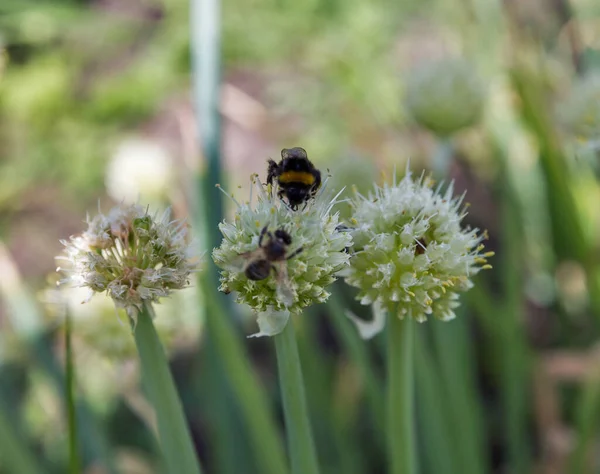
[
  {"x": 269, "y": 256},
  {"x": 296, "y": 176}
]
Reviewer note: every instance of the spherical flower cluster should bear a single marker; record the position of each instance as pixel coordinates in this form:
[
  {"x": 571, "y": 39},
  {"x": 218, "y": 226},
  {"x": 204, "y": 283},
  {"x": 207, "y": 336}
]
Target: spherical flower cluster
[
  {"x": 445, "y": 96},
  {"x": 579, "y": 112},
  {"x": 410, "y": 254},
  {"x": 133, "y": 256},
  {"x": 292, "y": 284}
]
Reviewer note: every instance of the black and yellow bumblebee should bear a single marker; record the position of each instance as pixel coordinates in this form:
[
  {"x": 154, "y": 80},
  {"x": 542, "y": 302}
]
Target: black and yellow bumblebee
[
  {"x": 271, "y": 255},
  {"x": 296, "y": 176}
]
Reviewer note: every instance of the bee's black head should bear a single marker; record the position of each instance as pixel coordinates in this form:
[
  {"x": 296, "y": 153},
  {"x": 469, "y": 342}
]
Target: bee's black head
[
  {"x": 296, "y": 195},
  {"x": 282, "y": 235}
]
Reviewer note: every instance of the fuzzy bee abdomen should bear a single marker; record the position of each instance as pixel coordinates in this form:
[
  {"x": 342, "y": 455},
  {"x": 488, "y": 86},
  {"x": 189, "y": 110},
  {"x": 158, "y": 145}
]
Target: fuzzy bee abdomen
[{"x": 296, "y": 177}]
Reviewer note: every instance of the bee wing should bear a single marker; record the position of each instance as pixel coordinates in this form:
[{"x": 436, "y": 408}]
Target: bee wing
[
  {"x": 285, "y": 293},
  {"x": 239, "y": 263}
]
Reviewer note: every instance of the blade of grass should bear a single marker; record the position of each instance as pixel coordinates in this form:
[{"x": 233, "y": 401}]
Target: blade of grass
[
  {"x": 205, "y": 16},
  {"x": 251, "y": 398},
  {"x": 357, "y": 350},
  {"x": 434, "y": 415},
  {"x": 503, "y": 323},
  {"x": 205, "y": 26},
  {"x": 74, "y": 464},
  {"x": 400, "y": 395},
  {"x": 343, "y": 419},
  {"x": 225, "y": 429},
  {"x": 300, "y": 442},
  {"x": 175, "y": 440},
  {"x": 332, "y": 419},
  {"x": 515, "y": 363},
  {"x": 457, "y": 373}
]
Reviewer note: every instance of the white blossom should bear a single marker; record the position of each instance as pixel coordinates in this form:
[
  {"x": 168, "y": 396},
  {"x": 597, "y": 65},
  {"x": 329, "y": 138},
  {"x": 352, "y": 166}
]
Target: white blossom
[
  {"x": 313, "y": 228},
  {"x": 410, "y": 254},
  {"x": 131, "y": 255}
]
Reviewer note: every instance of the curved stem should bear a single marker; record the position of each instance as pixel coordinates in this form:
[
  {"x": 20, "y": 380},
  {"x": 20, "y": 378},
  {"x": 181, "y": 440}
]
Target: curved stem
[
  {"x": 300, "y": 442},
  {"x": 400, "y": 395},
  {"x": 442, "y": 158},
  {"x": 176, "y": 443}
]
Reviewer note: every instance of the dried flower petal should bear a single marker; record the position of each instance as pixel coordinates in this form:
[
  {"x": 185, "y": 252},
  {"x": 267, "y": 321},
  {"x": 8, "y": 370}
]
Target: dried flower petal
[{"x": 131, "y": 255}]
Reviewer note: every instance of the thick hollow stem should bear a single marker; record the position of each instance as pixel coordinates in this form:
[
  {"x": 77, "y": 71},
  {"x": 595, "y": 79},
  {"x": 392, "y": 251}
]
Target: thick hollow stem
[
  {"x": 400, "y": 395},
  {"x": 300, "y": 442},
  {"x": 176, "y": 443}
]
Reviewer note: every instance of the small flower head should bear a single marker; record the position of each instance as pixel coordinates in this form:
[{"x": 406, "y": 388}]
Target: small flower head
[
  {"x": 131, "y": 255},
  {"x": 445, "y": 96},
  {"x": 291, "y": 285},
  {"x": 410, "y": 252}
]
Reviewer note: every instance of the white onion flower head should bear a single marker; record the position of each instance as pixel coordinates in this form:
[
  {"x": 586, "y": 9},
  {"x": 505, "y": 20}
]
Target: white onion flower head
[
  {"x": 445, "y": 96},
  {"x": 310, "y": 272},
  {"x": 131, "y": 255},
  {"x": 410, "y": 254}
]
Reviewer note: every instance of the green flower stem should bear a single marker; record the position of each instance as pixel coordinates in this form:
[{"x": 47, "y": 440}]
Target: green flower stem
[
  {"x": 442, "y": 158},
  {"x": 400, "y": 395},
  {"x": 249, "y": 395},
  {"x": 177, "y": 447},
  {"x": 300, "y": 442},
  {"x": 74, "y": 464}
]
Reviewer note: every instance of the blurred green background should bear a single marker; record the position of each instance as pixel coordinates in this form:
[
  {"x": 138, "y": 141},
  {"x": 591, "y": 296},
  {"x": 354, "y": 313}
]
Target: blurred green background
[{"x": 96, "y": 108}]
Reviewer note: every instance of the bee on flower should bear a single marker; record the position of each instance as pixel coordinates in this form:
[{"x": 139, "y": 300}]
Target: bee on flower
[{"x": 277, "y": 259}]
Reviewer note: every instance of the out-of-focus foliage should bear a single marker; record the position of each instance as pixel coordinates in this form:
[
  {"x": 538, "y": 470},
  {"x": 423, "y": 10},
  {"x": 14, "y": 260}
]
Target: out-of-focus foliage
[{"x": 92, "y": 90}]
